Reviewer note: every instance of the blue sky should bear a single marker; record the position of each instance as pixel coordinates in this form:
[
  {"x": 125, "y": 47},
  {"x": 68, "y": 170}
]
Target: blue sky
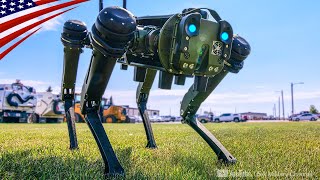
[{"x": 283, "y": 36}]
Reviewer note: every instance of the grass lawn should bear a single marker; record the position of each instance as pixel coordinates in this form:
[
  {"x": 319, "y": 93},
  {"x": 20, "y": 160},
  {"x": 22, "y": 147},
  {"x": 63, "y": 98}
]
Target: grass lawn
[{"x": 264, "y": 150}]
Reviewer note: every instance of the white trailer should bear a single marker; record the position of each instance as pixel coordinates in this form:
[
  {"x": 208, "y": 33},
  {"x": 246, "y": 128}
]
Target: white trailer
[
  {"x": 17, "y": 102},
  {"x": 49, "y": 109}
]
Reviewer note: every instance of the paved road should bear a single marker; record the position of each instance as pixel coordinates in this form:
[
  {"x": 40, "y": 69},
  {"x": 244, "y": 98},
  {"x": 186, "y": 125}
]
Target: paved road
[
  {"x": 250, "y": 121},
  {"x": 268, "y": 121}
]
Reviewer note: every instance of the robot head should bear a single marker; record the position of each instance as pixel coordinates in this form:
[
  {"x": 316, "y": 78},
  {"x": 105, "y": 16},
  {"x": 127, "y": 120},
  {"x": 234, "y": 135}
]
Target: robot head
[{"x": 192, "y": 44}]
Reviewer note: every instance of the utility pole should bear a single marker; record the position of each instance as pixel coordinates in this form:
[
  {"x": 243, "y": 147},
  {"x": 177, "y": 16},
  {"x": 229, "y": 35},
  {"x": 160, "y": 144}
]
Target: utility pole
[
  {"x": 292, "y": 106},
  {"x": 279, "y": 108},
  {"x": 282, "y": 105},
  {"x": 274, "y": 110}
]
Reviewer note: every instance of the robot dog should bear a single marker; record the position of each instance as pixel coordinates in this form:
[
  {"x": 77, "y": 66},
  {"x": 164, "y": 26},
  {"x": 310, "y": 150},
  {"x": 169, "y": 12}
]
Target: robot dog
[{"x": 179, "y": 46}]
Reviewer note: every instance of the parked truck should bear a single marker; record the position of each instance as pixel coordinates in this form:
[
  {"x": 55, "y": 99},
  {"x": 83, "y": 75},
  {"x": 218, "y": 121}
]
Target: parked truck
[
  {"x": 49, "y": 109},
  {"x": 17, "y": 102},
  {"x": 229, "y": 117}
]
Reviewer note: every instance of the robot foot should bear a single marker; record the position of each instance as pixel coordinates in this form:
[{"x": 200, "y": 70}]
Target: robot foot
[
  {"x": 222, "y": 153},
  {"x": 113, "y": 167}
]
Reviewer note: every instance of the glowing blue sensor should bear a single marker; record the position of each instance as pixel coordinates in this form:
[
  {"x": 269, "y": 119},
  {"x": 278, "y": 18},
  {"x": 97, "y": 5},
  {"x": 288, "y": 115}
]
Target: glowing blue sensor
[
  {"x": 192, "y": 28},
  {"x": 224, "y": 36}
]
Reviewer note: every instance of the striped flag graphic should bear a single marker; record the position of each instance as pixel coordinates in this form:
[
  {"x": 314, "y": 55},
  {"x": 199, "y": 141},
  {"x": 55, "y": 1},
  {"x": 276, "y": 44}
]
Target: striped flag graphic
[{"x": 13, "y": 13}]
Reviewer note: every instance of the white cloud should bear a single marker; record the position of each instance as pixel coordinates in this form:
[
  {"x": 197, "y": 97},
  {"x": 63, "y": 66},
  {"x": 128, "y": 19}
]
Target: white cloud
[{"x": 40, "y": 86}]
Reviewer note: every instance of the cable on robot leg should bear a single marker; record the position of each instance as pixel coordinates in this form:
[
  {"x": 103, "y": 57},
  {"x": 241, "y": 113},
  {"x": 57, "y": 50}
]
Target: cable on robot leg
[
  {"x": 74, "y": 37},
  {"x": 143, "y": 91}
]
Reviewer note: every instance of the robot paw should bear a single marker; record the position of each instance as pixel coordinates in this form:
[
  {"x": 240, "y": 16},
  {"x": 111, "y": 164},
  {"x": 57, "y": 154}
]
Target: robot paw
[{"x": 227, "y": 160}]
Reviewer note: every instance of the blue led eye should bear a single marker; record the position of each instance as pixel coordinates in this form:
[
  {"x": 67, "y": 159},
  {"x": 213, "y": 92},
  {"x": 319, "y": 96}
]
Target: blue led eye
[
  {"x": 224, "y": 36},
  {"x": 192, "y": 28}
]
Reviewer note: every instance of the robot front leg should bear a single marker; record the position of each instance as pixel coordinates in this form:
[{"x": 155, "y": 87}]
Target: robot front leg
[
  {"x": 74, "y": 37},
  {"x": 96, "y": 81},
  {"x": 111, "y": 33},
  {"x": 143, "y": 91},
  {"x": 189, "y": 106}
]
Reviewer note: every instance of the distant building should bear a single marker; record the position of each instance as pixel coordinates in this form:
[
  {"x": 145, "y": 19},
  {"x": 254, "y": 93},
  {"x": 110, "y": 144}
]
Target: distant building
[
  {"x": 254, "y": 115},
  {"x": 135, "y": 112}
]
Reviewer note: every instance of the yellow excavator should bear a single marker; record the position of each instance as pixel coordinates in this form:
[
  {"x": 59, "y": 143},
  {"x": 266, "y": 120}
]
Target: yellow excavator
[{"x": 110, "y": 113}]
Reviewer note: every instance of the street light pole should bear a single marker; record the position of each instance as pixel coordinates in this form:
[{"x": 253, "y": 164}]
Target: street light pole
[
  {"x": 292, "y": 102},
  {"x": 279, "y": 108},
  {"x": 282, "y": 105},
  {"x": 292, "y": 105}
]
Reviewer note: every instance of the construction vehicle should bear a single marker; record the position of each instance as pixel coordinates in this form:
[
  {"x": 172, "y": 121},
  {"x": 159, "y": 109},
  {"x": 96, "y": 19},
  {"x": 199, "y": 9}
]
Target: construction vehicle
[
  {"x": 112, "y": 113},
  {"x": 77, "y": 110},
  {"x": 49, "y": 109},
  {"x": 17, "y": 102},
  {"x": 109, "y": 112}
]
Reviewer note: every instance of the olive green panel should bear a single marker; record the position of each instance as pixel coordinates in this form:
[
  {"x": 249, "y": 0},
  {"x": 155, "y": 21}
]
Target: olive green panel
[
  {"x": 167, "y": 40},
  {"x": 208, "y": 36}
]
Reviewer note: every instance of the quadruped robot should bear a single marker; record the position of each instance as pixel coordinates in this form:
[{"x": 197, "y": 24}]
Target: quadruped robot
[{"x": 183, "y": 45}]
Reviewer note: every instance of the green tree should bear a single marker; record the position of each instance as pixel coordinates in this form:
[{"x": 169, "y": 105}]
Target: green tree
[{"x": 313, "y": 109}]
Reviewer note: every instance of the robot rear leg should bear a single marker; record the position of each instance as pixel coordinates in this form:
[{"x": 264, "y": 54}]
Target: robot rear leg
[{"x": 143, "y": 91}]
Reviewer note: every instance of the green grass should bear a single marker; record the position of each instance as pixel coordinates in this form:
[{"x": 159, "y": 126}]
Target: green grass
[{"x": 29, "y": 151}]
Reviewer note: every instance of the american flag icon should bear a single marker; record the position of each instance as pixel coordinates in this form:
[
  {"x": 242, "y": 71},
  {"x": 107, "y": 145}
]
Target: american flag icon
[{"x": 13, "y": 13}]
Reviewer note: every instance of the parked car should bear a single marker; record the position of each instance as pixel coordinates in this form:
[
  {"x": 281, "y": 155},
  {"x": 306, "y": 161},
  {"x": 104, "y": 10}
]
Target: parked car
[
  {"x": 228, "y": 117},
  {"x": 306, "y": 116},
  {"x": 178, "y": 118},
  {"x": 135, "y": 118},
  {"x": 166, "y": 118},
  {"x": 173, "y": 119},
  {"x": 204, "y": 118},
  {"x": 293, "y": 116},
  {"x": 156, "y": 118},
  {"x": 243, "y": 118}
]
